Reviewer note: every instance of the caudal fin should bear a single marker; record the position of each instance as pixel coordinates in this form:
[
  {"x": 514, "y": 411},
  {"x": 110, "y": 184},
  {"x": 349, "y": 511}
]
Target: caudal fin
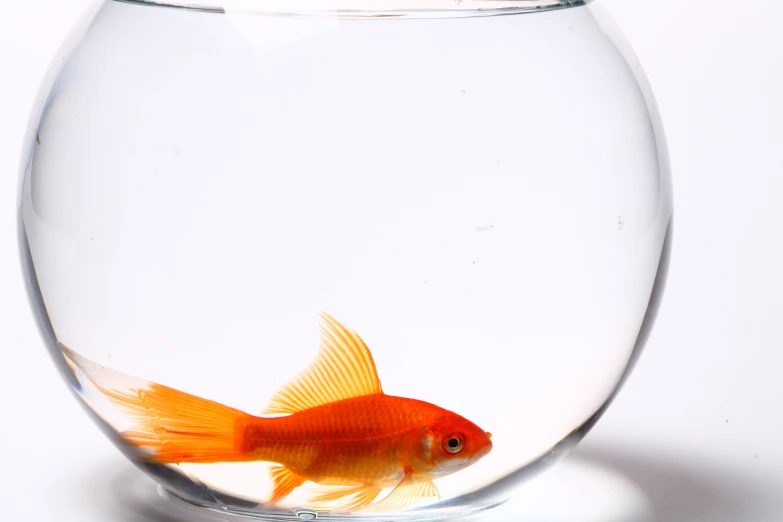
[{"x": 173, "y": 426}]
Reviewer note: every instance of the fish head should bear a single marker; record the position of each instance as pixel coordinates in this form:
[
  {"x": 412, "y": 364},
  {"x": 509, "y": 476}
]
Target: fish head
[{"x": 449, "y": 443}]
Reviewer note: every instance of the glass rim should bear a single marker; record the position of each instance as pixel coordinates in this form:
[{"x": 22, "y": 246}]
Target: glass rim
[{"x": 366, "y": 8}]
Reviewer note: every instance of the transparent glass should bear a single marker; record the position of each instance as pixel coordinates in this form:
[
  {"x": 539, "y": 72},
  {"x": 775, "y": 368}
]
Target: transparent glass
[{"x": 485, "y": 200}]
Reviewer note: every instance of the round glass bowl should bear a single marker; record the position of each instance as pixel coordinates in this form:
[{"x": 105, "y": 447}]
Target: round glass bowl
[{"x": 462, "y": 218}]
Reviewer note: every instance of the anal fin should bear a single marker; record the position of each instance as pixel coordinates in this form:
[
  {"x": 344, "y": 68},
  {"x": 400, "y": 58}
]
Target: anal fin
[{"x": 284, "y": 482}]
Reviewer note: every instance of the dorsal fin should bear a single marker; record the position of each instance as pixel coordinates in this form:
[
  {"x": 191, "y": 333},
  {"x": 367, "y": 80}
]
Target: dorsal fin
[{"x": 342, "y": 369}]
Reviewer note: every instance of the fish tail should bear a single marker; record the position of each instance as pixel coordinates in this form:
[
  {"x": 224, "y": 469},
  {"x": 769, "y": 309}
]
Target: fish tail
[
  {"x": 176, "y": 427},
  {"x": 171, "y": 426}
]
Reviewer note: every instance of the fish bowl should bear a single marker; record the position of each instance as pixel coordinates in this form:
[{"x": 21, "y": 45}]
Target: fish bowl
[{"x": 345, "y": 259}]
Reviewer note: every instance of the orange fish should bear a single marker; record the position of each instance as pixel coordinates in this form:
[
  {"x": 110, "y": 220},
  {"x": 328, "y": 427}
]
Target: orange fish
[{"x": 338, "y": 429}]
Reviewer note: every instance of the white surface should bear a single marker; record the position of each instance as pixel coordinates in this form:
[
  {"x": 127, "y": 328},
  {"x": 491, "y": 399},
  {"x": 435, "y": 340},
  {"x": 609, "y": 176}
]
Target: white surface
[{"x": 694, "y": 436}]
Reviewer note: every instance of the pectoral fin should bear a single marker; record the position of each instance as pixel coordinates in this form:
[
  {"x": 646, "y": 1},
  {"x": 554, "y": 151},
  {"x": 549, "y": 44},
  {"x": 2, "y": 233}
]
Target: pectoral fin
[
  {"x": 343, "y": 369},
  {"x": 429, "y": 489}
]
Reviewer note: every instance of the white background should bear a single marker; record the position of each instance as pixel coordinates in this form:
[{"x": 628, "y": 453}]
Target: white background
[{"x": 694, "y": 436}]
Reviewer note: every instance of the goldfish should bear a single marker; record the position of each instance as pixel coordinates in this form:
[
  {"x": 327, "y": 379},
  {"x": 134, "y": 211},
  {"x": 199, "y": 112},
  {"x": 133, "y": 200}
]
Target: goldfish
[{"x": 331, "y": 425}]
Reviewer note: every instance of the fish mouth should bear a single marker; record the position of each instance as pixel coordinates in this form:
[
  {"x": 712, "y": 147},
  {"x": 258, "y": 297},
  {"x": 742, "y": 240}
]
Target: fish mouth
[{"x": 482, "y": 451}]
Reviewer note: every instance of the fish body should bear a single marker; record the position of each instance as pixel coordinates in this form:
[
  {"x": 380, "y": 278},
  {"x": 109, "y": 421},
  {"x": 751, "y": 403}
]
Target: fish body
[
  {"x": 362, "y": 440},
  {"x": 331, "y": 425}
]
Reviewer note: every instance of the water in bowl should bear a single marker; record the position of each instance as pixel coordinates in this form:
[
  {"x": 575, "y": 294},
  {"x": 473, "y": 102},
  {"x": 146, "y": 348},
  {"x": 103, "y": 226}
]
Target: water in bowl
[{"x": 483, "y": 200}]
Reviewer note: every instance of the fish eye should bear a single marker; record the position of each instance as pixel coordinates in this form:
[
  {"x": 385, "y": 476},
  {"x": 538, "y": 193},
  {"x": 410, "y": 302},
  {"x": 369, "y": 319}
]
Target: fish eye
[{"x": 453, "y": 443}]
